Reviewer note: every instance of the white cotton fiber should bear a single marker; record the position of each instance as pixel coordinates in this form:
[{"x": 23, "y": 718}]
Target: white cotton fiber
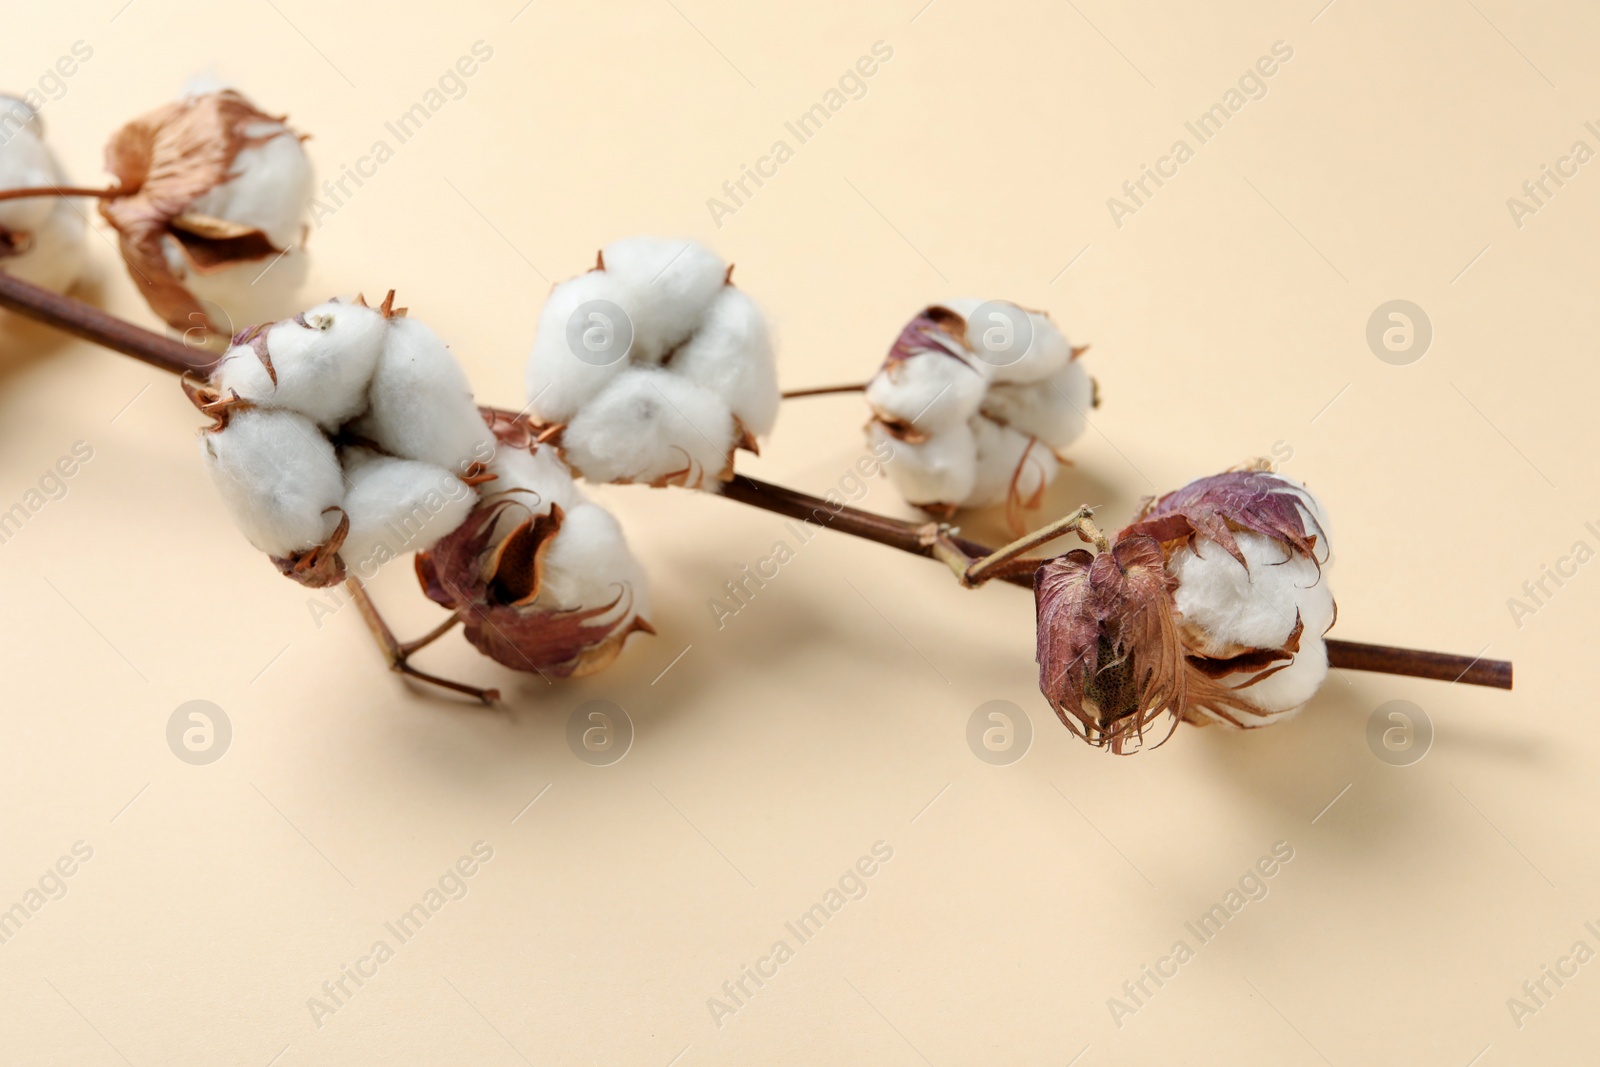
[
  {"x": 1008, "y": 462},
  {"x": 930, "y": 391},
  {"x": 667, "y": 284},
  {"x": 244, "y": 293},
  {"x": 397, "y": 506},
  {"x": 651, "y": 426},
  {"x": 940, "y": 470},
  {"x": 588, "y": 565},
  {"x": 279, "y": 478},
  {"x": 534, "y": 479},
  {"x": 1054, "y": 410},
  {"x": 323, "y": 361},
  {"x": 1226, "y": 606},
  {"x": 730, "y": 354},
  {"x": 560, "y": 380},
  {"x": 270, "y": 187},
  {"x": 52, "y": 229},
  {"x": 420, "y": 405}
]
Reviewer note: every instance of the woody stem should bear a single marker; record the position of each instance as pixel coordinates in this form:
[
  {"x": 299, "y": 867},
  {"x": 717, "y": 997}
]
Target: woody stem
[
  {"x": 398, "y": 654},
  {"x": 92, "y": 324},
  {"x": 1079, "y": 521},
  {"x": 825, "y": 390},
  {"x": 57, "y": 190}
]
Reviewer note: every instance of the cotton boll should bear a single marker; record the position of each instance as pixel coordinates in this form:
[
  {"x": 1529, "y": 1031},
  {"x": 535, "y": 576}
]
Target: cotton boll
[
  {"x": 1048, "y": 353},
  {"x": 667, "y": 285},
  {"x": 654, "y": 427},
  {"x": 58, "y": 253},
  {"x": 940, "y": 470},
  {"x": 279, "y": 478},
  {"x": 322, "y": 361},
  {"x": 48, "y": 232},
  {"x": 1054, "y": 410},
  {"x": 530, "y": 483},
  {"x": 1226, "y": 607},
  {"x": 931, "y": 391},
  {"x": 397, "y": 506},
  {"x": 731, "y": 355},
  {"x": 560, "y": 379},
  {"x": 270, "y": 187},
  {"x": 1010, "y": 466},
  {"x": 588, "y": 565},
  {"x": 420, "y": 405}
]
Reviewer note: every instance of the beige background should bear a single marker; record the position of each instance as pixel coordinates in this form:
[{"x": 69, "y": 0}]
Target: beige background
[{"x": 1227, "y": 317}]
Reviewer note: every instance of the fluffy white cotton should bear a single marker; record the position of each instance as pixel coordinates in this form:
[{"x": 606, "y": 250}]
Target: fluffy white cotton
[
  {"x": 664, "y": 307},
  {"x": 1224, "y": 607},
  {"x": 323, "y": 360},
  {"x": 995, "y": 333},
  {"x": 1015, "y": 412},
  {"x": 940, "y": 470},
  {"x": 1054, "y": 410},
  {"x": 571, "y": 363},
  {"x": 279, "y": 478},
  {"x": 245, "y": 293},
  {"x": 534, "y": 479},
  {"x": 270, "y": 187},
  {"x": 51, "y": 230},
  {"x": 666, "y": 287},
  {"x": 730, "y": 354},
  {"x": 420, "y": 405},
  {"x": 931, "y": 391},
  {"x": 588, "y": 565},
  {"x": 653, "y": 427},
  {"x": 397, "y": 506},
  {"x": 1008, "y": 465}
]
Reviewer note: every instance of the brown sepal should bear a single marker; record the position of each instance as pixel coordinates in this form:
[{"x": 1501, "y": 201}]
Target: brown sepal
[
  {"x": 1110, "y": 658},
  {"x": 320, "y": 566}
]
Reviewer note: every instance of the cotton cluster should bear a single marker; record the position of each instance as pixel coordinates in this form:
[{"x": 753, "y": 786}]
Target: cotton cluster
[
  {"x": 210, "y": 209},
  {"x": 1247, "y": 550},
  {"x": 653, "y": 367},
  {"x": 978, "y": 399},
  {"x": 542, "y": 577},
  {"x": 345, "y": 437},
  {"x": 41, "y": 238}
]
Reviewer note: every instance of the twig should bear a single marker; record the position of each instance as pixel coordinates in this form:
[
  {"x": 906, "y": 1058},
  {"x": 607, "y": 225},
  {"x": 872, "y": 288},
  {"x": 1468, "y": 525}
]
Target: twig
[
  {"x": 59, "y": 190},
  {"x": 399, "y": 654},
  {"x": 825, "y": 390},
  {"x": 92, "y": 324}
]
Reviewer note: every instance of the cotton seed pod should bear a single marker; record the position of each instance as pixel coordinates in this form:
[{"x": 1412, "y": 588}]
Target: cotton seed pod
[
  {"x": 385, "y": 391},
  {"x": 1247, "y": 550},
  {"x": 319, "y": 363},
  {"x": 653, "y": 367},
  {"x": 41, "y": 238},
  {"x": 209, "y": 210},
  {"x": 1110, "y": 657},
  {"x": 980, "y": 398},
  {"x": 543, "y": 579}
]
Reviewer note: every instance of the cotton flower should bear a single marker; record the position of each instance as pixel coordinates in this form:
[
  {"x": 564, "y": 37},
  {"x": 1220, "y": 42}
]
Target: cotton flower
[
  {"x": 542, "y": 577},
  {"x": 41, "y": 238},
  {"x": 344, "y": 437},
  {"x": 653, "y": 367},
  {"x": 209, "y": 210},
  {"x": 1247, "y": 550},
  {"x": 978, "y": 400}
]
